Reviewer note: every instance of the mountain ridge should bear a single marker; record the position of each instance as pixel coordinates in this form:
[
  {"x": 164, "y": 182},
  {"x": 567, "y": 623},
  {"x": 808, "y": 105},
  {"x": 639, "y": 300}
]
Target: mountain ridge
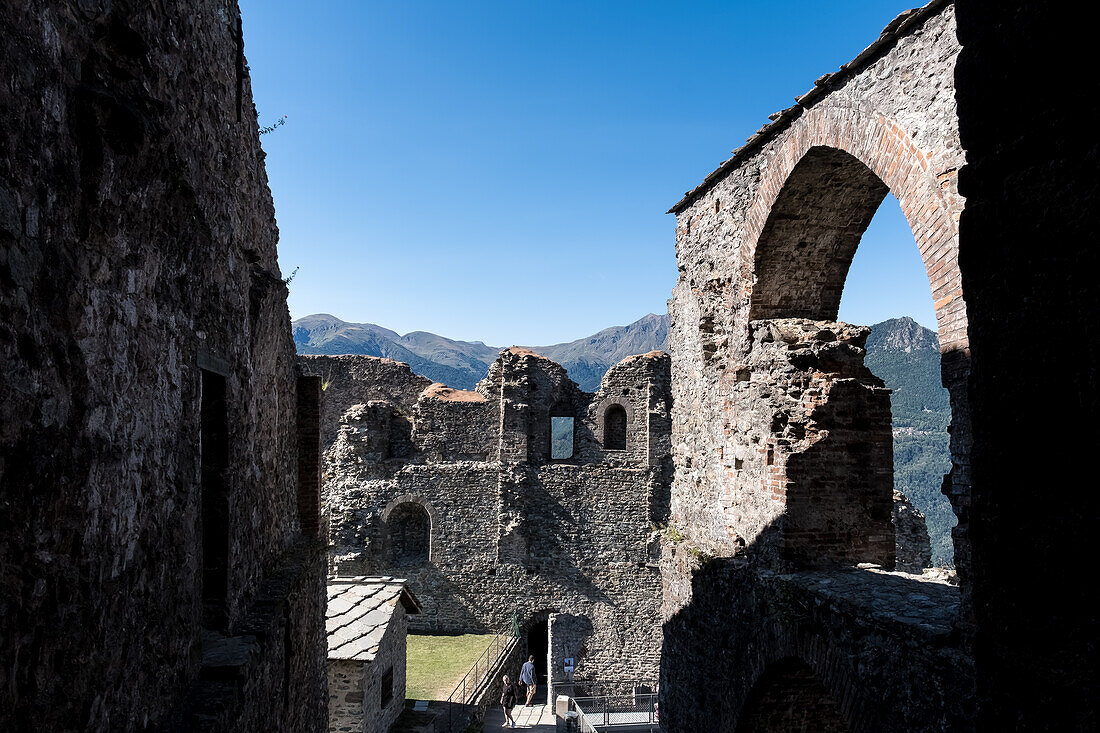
[{"x": 461, "y": 364}]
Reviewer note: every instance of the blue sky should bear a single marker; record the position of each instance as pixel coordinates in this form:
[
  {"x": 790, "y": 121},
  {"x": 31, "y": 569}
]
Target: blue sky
[{"x": 500, "y": 171}]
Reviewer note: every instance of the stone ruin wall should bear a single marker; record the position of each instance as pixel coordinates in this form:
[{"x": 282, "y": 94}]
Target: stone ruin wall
[
  {"x": 778, "y": 424},
  {"x": 898, "y": 106},
  {"x": 137, "y": 247},
  {"x": 512, "y": 531}
]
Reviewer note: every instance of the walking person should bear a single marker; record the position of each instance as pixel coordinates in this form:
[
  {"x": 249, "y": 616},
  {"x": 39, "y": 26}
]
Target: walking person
[
  {"x": 508, "y": 697},
  {"x": 529, "y": 678}
]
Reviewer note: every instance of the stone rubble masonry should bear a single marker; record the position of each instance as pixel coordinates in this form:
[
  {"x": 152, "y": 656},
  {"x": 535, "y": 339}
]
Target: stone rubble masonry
[
  {"x": 781, "y": 436},
  {"x": 771, "y": 235},
  {"x": 512, "y": 531},
  {"x": 914, "y": 549},
  {"x": 137, "y": 249}
]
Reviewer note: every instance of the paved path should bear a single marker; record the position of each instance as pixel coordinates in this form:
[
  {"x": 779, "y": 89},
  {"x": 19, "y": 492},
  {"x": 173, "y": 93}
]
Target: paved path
[{"x": 536, "y": 718}]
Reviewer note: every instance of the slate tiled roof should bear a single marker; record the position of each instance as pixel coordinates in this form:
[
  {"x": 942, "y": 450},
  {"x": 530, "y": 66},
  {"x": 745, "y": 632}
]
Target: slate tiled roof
[{"x": 359, "y": 610}]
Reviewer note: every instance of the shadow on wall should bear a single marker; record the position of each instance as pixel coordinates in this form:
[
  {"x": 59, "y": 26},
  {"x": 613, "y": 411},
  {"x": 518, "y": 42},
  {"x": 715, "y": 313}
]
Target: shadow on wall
[{"x": 829, "y": 642}]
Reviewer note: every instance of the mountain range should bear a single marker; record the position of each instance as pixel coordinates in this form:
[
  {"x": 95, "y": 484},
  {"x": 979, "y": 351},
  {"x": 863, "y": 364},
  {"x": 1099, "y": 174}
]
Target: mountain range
[
  {"x": 461, "y": 364},
  {"x": 900, "y": 351}
]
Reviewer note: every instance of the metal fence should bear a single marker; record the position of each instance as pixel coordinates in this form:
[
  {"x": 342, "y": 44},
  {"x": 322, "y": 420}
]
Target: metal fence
[{"x": 600, "y": 712}]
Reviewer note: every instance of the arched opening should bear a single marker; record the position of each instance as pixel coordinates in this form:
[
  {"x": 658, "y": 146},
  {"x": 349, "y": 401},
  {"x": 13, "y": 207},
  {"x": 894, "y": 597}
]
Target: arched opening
[
  {"x": 839, "y": 493},
  {"x": 806, "y": 247},
  {"x": 614, "y": 427},
  {"x": 789, "y": 697},
  {"x": 409, "y": 530},
  {"x": 887, "y": 289}
]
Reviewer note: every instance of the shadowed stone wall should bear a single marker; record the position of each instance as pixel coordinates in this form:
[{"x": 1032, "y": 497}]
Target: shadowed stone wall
[
  {"x": 138, "y": 252},
  {"x": 935, "y": 112},
  {"x": 510, "y": 529},
  {"x": 1029, "y": 262}
]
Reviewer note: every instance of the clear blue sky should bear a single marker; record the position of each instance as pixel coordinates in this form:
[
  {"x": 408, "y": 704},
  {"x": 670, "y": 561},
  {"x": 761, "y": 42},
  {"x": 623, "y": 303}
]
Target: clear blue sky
[{"x": 500, "y": 171}]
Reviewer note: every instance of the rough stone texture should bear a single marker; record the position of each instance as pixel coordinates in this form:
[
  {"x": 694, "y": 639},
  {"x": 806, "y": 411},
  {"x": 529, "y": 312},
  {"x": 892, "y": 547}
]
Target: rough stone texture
[
  {"x": 810, "y": 449},
  {"x": 754, "y": 241},
  {"x": 881, "y": 644},
  {"x": 511, "y": 531},
  {"x": 782, "y": 440},
  {"x": 914, "y": 550},
  {"x": 137, "y": 248},
  {"x": 1029, "y": 262},
  {"x": 887, "y": 122}
]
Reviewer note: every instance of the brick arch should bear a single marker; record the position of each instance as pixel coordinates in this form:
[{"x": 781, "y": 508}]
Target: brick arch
[
  {"x": 887, "y": 152},
  {"x": 411, "y": 499},
  {"x": 865, "y": 156},
  {"x": 789, "y": 695}
]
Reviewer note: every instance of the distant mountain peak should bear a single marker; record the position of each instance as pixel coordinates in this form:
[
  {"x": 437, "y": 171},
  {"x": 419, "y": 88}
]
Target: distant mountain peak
[{"x": 902, "y": 334}]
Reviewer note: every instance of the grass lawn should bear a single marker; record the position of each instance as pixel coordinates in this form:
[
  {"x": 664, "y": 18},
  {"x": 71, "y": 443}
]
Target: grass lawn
[{"x": 437, "y": 663}]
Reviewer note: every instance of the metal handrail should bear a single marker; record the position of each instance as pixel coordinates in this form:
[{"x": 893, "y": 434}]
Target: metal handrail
[
  {"x": 609, "y": 711},
  {"x": 477, "y": 676}
]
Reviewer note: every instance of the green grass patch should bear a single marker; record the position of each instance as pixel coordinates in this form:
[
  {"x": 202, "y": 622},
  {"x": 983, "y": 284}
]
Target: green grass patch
[{"x": 437, "y": 663}]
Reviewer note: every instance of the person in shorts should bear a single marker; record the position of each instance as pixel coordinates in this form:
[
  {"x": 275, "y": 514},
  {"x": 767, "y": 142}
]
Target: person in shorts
[{"x": 529, "y": 678}]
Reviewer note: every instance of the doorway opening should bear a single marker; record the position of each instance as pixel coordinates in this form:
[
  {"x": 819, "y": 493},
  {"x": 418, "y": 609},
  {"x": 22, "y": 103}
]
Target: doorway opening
[{"x": 538, "y": 645}]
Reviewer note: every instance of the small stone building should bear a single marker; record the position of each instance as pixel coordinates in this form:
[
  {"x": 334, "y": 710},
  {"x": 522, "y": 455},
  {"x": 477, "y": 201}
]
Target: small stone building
[
  {"x": 367, "y": 624},
  {"x": 525, "y": 500}
]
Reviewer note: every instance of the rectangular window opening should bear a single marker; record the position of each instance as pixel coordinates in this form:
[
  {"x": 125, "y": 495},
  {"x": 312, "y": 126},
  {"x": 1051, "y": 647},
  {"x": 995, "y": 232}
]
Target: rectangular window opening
[
  {"x": 561, "y": 437},
  {"x": 214, "y": 459},
  {"x": 387, "y": 687}
]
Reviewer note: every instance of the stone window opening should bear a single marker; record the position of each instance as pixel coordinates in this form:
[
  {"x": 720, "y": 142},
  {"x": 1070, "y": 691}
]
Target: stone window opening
[
  {"x": 386, "y": 688},
  {"x": 409, "y": 528},
  {"x": 214, "y": 490},
  {"x": 561, "y": 437},
  {"x": 614, "y": 427}
]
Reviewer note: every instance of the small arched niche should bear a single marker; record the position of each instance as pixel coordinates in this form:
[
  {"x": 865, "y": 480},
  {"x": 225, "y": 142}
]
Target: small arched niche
[
  {"x": 408, "y": 531},
  {"x": 614, "y": 427}
]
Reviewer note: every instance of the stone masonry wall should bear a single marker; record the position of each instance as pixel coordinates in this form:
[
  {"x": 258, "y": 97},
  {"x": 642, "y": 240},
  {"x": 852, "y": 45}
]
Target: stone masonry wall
[
  {"x": 137, "y": 249},
  {"x": 512, "y": 531},
  {"x": 914, "y": 549},
  {"x": 781, "y": 436},
  {"x": 772, "y": 232}
]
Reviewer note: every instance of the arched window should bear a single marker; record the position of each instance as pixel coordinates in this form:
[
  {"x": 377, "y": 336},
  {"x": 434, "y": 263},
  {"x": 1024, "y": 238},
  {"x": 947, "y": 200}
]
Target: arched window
[
  {"x": 614, "y": 428},
  {"x": 409, "y": 535},
  {"x": 838, "y": 483}
]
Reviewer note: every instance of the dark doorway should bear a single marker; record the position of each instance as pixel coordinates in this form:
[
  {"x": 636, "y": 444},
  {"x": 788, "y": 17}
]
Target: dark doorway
[{"x": 538, "y": 644}]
